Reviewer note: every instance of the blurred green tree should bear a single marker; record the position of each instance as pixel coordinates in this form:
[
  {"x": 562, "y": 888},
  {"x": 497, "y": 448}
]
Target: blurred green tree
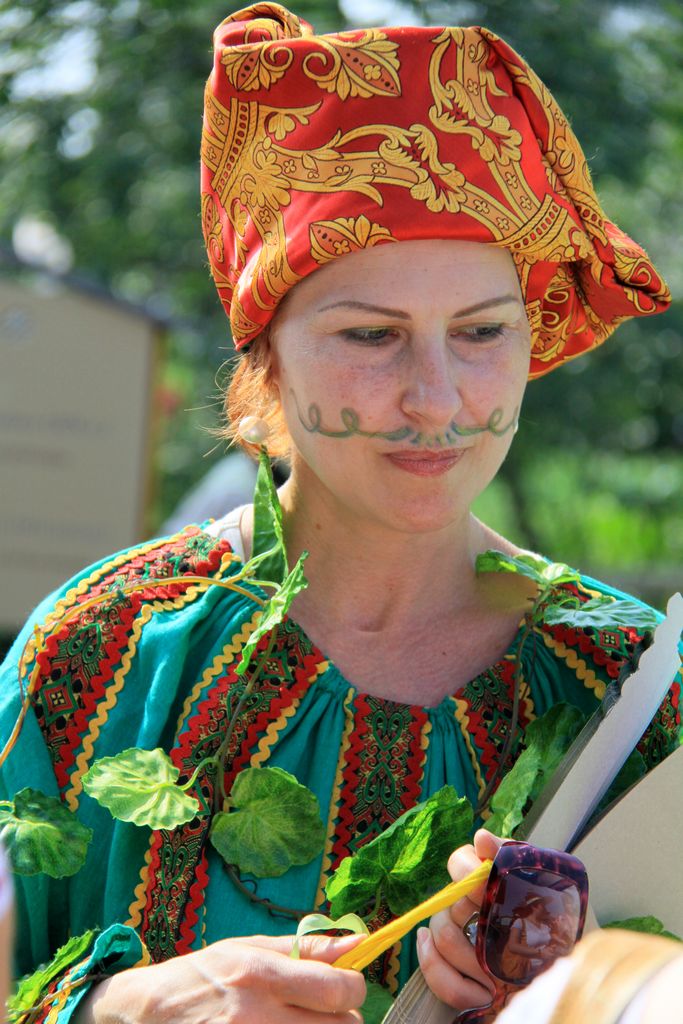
[{"x": 100, "y": 119}]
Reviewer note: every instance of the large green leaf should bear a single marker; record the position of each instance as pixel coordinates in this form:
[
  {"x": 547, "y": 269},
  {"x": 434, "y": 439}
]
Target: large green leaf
[
  {"x": 407, "y": 862},
  {"x": 527, "y": 564},
  {"x": 274, "y": 611},
  {"x": 41, "y": 834},
  {"x": 548, "y": 738},
  {"x": 274, "y": 823},
  {"x": 647, "y": 925},
  {"x": 140, "y": 786},
  {"x": 602, "y": 613},
  {"x": 32, "y": 987},
  {"x": 269, "y": 545},
  {"x": 377, "y": 1004}
]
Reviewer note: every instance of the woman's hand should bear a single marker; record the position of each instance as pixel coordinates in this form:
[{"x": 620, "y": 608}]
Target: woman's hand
[
  {"x": 447, "y": 958},
  {"x": 234, "y": 981}
]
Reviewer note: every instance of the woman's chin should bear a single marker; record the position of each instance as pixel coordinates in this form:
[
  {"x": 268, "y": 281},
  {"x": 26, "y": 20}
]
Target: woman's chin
[{"x": 430, "y": 515}]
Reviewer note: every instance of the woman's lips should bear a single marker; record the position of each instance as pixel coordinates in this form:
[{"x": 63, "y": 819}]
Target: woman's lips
[{"x": 426, "y": 463}]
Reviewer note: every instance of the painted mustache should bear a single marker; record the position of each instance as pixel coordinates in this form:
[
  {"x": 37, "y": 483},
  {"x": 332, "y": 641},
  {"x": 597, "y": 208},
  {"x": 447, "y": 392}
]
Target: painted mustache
[{"x": 351, "y": 427}]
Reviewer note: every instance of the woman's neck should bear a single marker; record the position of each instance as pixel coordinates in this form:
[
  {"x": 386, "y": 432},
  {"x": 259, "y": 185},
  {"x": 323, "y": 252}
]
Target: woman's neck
[
  {"x": 381, "y": 600},
  {"x": 376, "y": 578}
]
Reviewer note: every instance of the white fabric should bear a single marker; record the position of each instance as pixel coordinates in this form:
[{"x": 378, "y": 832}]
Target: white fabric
[
  {"x": 229, "y": 482},
  {"x": 228, "y": 528}
]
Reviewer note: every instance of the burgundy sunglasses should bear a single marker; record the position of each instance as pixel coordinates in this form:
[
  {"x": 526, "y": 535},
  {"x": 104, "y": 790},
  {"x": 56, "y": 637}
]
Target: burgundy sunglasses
[{"x": 532, "y": 913}]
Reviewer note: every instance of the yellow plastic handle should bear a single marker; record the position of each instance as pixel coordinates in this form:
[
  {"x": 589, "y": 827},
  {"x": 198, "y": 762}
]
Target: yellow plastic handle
[{"x": 367, "y": 950}]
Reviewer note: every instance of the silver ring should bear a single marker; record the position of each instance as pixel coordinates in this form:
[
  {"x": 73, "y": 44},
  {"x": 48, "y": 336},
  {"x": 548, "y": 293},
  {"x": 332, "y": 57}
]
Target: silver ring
[{"x": 469, "y": 929}]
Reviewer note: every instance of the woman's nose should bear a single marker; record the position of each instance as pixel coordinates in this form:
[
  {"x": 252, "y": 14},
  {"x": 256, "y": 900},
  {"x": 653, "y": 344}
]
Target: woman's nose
[{"x": 432, "y": 388}]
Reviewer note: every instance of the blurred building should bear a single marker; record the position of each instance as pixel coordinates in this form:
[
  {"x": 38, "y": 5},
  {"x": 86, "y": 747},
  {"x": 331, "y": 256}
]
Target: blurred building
[{"x": 77, "y": 384}]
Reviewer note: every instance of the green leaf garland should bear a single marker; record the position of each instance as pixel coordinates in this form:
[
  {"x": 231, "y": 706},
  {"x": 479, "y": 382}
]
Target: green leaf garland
[
  {"x": 274, "y": 611},
  {"x": 538, "y": 569},
  {"x": 377, "y": 1004},
  {"x": 407, "y": 862},
  {"x": 269, "y": 546},
  {"x": 274, "y": 823},
  {"x": 648, "y": 925},
  {"x": 32, "y": 987},
  {"x": 42, "y": 835},
  {"x": 312, "y": 923},
  {"x": 140, "y": 786},
  {"x": 547, "y": 740},
  {"x": 602, "y": 613}
]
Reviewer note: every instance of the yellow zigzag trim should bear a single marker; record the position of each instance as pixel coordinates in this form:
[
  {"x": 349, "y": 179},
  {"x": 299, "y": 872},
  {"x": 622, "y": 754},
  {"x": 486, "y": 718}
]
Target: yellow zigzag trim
[
  {"x": 334, "y": 800},
  {"x": 64, "y": 991},
  {"x": 267, "y": 742},
  {"x": 105, "y": 706},
  {"x": 140, "y": 894},
  {"x": 462, "y": 718},
  {"x": 67, "y": 986},
  {"x": 463, "y": 721},
  {"x": 394, "y": 964},
  {"x": 221, "y": 661},
  {"x": 145, "y": 959},
  {"x": 81, "y": 588},
  {"x": 585, "y": 674},
  {"x": 71, "y": 596},
  {"x": 226, "y": 656},
  {"x": 424, "y": 744},
  {"x": 103, "y": 709}
]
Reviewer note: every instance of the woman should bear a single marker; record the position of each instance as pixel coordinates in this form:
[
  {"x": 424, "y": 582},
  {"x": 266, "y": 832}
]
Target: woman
[
  {"x": 530, "y": 937},
  {"x": 402, "y": 229}
]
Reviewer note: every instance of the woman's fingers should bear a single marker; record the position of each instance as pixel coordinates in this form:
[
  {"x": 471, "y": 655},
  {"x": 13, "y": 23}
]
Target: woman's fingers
[
  {"x": 462, "y": 862},
  {"x": 317, "y": 986},
  {"x": 486, "y": 845},
  {"x": 325, "y": 948},
  {"x": 448, "y": 984},
  {"x": 310, "y": 984},
  {"x": 447, "y": 957},
  {"x": 456, "y": 949},
  {"x": 234, "y": 980}
]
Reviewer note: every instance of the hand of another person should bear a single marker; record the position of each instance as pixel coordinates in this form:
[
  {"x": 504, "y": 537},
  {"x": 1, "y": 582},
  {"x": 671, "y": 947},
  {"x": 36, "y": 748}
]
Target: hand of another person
[
  {"x": 447, "y": 957},
  {"x": 234, "y": 981}
]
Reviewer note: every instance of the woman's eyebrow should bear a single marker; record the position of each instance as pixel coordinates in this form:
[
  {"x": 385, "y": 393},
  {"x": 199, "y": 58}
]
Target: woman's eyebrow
[{"x": 400, "y": 315}]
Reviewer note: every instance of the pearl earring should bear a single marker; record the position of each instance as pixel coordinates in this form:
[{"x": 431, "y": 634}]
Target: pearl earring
[{"x": 253, "y": 430}]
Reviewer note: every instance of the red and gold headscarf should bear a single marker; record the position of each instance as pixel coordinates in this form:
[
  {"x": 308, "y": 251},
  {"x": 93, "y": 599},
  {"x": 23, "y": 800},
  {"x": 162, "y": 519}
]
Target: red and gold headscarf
[{"x": 317, "y": 146}]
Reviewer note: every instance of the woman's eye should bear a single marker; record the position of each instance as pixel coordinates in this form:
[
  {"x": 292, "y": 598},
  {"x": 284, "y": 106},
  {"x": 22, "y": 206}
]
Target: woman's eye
[
  {"x": 369, "y": 335},
  {"x": 483, "y": 332}
]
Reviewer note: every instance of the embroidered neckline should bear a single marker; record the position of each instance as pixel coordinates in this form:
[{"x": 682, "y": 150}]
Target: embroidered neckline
[{"x": 346, "y": 686}]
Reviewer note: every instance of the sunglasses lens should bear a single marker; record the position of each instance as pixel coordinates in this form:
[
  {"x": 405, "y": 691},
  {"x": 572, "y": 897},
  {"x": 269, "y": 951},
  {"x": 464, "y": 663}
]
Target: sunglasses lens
[{"x": 534, "y": 918}]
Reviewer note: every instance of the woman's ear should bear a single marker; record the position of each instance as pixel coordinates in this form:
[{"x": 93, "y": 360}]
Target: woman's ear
[{"x": 273, "y": 378}]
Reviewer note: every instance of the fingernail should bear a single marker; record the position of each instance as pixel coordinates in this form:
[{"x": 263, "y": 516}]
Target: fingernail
[{"x": 422, "y": 938}]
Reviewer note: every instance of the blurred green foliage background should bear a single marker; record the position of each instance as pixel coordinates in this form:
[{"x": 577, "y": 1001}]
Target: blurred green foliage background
[{"x": 100, "y": 122}]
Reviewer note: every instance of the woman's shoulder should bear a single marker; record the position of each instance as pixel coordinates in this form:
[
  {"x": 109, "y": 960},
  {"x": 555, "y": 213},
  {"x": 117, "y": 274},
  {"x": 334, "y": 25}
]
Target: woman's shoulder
[
  {"x": 599, "y": 621},
  {"x": 599, "y": 642},
  {"x": 166, "y": 573},
  {"x": 158, "y": 567}
]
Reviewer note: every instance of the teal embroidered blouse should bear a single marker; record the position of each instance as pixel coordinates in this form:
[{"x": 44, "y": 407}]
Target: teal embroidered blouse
[{"x": 155, "y": 668}]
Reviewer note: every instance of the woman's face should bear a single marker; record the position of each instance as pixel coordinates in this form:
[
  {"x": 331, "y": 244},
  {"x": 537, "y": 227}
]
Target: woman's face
[{"x": 401, "y": 370}]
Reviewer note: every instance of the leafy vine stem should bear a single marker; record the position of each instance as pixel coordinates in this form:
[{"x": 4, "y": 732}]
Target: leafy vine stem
[
  {"x": 220, "y": 796},
  {"x": 529, "y": 622}
]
